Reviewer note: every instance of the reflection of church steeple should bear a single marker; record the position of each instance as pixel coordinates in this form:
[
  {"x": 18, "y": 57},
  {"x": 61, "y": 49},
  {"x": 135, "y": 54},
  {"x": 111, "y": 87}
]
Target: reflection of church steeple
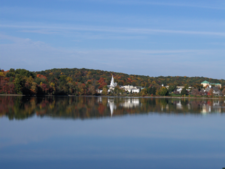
[{"x": 111, "y": 105}]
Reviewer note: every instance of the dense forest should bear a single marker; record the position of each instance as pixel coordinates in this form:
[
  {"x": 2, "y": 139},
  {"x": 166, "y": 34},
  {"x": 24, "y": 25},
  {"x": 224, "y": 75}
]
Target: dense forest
[{"x": 85, "y": 81}]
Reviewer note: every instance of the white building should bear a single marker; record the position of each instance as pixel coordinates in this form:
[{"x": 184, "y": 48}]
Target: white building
[
  {"x": 180, "y": 88},
  {"x": 131, "y": 89},
  {"x": 99, "y": 91}
]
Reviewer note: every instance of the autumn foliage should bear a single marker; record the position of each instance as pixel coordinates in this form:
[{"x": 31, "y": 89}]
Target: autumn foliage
[
  {"x": 84, "y": 81},
  {"x": 41, "y": 76},
  {"x": 102, "y": 83}
]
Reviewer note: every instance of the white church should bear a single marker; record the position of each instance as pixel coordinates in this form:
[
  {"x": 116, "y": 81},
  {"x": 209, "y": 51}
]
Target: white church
[
  {"x": 127, "y": 88},
  {"x": 112, "y": 84}
]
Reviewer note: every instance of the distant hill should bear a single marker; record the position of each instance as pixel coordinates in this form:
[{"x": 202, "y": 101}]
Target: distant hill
[{"x": 83, "y": 75}]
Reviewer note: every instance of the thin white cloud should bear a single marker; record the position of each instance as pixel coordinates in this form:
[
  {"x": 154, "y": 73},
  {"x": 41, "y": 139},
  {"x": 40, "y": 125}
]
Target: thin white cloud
[{"x": 127, "y": 30}]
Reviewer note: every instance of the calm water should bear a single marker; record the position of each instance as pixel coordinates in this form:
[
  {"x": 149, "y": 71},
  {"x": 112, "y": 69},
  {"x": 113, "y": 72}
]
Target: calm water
[{"x": 102, "y": 132}]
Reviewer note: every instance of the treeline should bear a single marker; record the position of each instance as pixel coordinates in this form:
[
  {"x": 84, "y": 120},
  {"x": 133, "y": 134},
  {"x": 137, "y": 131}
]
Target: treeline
[{"x": 86, "y": 82}]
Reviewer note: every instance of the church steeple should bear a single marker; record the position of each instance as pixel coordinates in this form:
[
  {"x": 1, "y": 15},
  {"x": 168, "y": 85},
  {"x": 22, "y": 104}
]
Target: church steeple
[{"x": 112, "y": 81}]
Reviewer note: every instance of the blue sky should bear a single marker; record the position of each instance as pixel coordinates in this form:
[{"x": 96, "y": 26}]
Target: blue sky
[{"x": 146, "y": 37}]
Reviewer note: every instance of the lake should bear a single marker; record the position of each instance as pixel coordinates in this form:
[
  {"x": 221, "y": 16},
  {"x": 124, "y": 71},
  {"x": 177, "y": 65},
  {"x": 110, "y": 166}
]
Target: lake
[{"x": 111, "y": 132}]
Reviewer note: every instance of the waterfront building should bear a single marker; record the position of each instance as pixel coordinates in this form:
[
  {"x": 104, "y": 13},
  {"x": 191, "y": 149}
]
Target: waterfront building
[
  {"x": 216, "y": 90},
  {"x": 206, "y": 83},
  {"x": 131, "y": 89}
]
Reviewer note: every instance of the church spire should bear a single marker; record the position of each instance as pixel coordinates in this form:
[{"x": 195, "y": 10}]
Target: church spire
[{"x": 112, "y": 81}]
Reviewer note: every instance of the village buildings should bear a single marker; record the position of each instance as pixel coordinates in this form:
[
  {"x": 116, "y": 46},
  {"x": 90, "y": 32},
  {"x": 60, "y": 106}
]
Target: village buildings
[
  {"x": 214, "y": 87},
  {"x": 131, "y": 89},
  {"x": 208, "y": 88},
  {"x": 127, "y": 88},
  {"x": 206, "y": 83}
]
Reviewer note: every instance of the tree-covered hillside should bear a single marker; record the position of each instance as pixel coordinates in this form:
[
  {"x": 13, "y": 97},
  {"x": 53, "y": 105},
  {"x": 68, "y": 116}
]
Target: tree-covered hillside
[
  {"x": 84, "y": 81},
  {"x": 83, "y": 75}
]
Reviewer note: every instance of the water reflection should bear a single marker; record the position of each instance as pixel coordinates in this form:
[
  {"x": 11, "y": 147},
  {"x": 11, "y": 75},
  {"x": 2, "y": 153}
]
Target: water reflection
[
  {"x": 96, "y": 107},
  {"x": 126, "y": 103},
  {"x": 111, "y": 105},
  {"x": 130, "y": 103}
]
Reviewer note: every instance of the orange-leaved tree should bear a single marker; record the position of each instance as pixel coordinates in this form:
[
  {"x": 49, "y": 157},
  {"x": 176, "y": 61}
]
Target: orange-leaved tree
[{"x": 101, "y": 83}]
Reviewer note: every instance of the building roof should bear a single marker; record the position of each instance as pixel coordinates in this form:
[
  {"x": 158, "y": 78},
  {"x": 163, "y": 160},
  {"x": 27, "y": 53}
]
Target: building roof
[
  {"x": 205, "y": 82},
  {"x": 210, "y": 83}
]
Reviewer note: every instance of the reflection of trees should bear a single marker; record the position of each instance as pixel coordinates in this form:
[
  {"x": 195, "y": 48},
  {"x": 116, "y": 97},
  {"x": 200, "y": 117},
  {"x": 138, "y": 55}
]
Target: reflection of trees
[
  {"x": 97, "y": 107},
  {"x": 16, "y": 107}
]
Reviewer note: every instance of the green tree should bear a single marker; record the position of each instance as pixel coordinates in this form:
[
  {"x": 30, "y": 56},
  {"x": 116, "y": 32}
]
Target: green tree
[
  {"x": 11, "y": 79},
  {"x": 184, "y": 91},
  {"x": 24, "y": 72},
  {"x": 172, "y": 88},
  {"x": 163, "y": 91},
  {"x": 151, "y": 90},
  {"x": 19, "y": 84},
  {"x": 11, "y": 70},
  {"x": 63, "y": 79},
  {"x": 10, "y": 74},
  {"x": 144, "y": 92}
]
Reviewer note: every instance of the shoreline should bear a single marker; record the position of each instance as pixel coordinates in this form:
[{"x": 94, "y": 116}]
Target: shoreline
[
  {"x": 167, "y": 97},
  {"x": 162, "y": 97},
  {"x": 12, "y": 95}
]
